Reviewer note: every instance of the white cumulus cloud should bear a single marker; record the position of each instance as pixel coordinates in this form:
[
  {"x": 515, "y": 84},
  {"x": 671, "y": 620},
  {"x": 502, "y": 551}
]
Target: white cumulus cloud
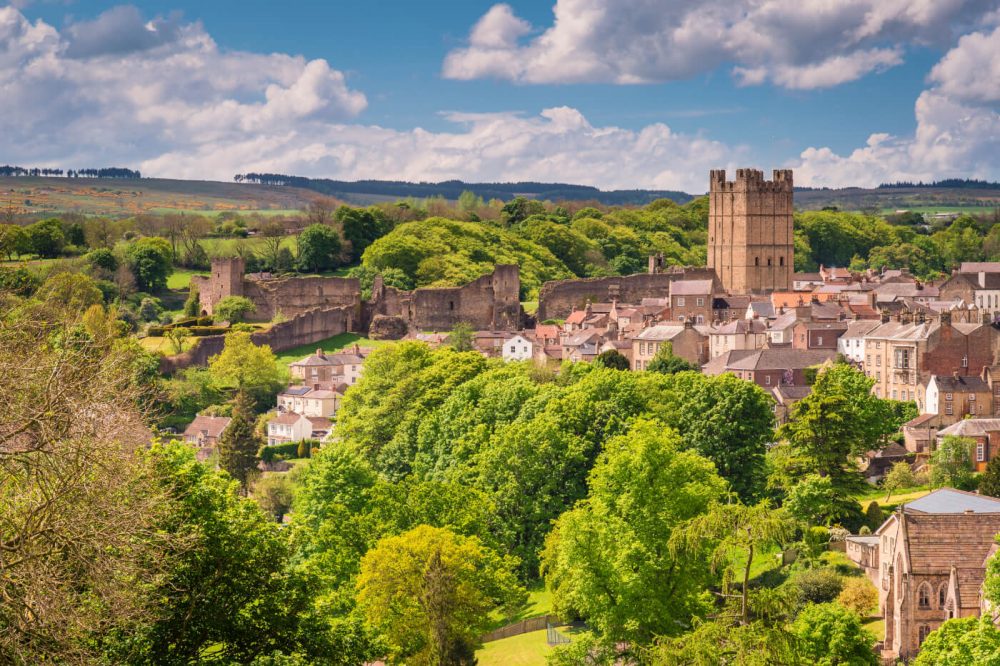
[{"x": 801, "y": 44}]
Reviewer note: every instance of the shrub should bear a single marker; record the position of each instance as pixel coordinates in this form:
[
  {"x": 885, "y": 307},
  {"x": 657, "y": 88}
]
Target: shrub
[
  {"x": 817, "y": 585},
  {"x": 277, "y": 452},
  {"x": 150, "y": 309},
  {"x": 304, "y": 449},
  {"x": 208, "y": 330},
  {"x": 874, "y": 516},
  {"x": 859, "y": 595}
]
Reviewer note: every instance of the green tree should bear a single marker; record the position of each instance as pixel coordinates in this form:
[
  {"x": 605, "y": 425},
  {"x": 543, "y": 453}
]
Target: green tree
[
  {"x": 951, "y": 462},
  {"x": 102, "y": 260},
  {"x": 874, "y": 516},
  {"x": 13, "y": 241},
  {"x": 967, "y": 641},
  {"x": 461, "y": 337},
  {"x": 613, "y": 359},
  {"x": 74, "y": 291},
  {"x": 239, "y": 442},
  {"x": 430, "y": 593},
  {"x": 244, "y": 366},
  {"x": 736, "y": 532},
  {"x": 989, "y": 482},
  {"x": 177, "y": 335},
  {"x": 830, "y": 635},
  {"x": 731, "y": 422},
  {"x": 151, "y": 262},
  {"x": 361, "y": 227},
  {"x": 273, "y": 493},
  {"x": 319, "y": 248},
  {"x": 192, "y": 306},
  {"x": 228, "y": 589},
  {"x": 233, "y": 309},
  {"x": 605, "y": 559},
  {"x": 835, "y": 424},
  {"x": 899, "y": 476},
  {"x": 666, "y": 363},
  {"x": 815, "y": 500},
  {"x": 45, "y": 238}
]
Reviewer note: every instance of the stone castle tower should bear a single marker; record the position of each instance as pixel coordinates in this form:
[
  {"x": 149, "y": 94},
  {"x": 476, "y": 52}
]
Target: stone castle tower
[
  {"x": 750, "y": 243},
  {"x": 226, "y": 280}
]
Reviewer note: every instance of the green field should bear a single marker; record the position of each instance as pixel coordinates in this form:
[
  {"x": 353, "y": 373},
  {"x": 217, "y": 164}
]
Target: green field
[
  {"x": 930, "y": 210},
  {"x": 181, "y": 278}
]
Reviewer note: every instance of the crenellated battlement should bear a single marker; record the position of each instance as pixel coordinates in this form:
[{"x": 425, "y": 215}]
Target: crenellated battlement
[{"x": 751, "y": 180}]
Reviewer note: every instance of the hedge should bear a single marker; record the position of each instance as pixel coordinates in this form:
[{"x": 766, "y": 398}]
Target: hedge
[{"x": 270, "y": 454}]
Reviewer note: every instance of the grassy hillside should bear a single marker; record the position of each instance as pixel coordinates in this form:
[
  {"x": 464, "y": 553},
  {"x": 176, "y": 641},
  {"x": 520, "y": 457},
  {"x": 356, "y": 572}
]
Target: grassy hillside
[{"x": 120, "y": 198}]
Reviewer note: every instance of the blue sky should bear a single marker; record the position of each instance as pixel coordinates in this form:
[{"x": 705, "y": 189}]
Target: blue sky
[{"x": 639, "y": 93}]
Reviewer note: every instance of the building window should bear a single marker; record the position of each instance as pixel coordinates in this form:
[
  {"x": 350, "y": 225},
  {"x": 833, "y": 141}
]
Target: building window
[
  {"x": 980, "y": 452},
  {"x": 819, "y": 341},
  {"x": 767, "y": 379},
  {"x": 680, "y": 301},
  {"x": 893, "y": 394},
  {"x": 965, "y": 361},
  {"x": 947, "y": 396},
  {"x": 924, "y": 596},
  {"x": 942, "y": 595},
  {"x": 902, "y": 358},
  {"x": 922, "y": 633},
  {"x": 701, "y": 302},
  {"x": 948, "y": 409},
  {"x": 781, "y": 261},
  {"x": 756, "y": 261},
  {"x": 769, "y": 261}
]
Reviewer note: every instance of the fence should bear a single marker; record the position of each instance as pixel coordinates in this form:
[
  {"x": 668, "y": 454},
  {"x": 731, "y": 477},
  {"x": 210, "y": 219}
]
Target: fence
[{"x": 521, "y": 627}]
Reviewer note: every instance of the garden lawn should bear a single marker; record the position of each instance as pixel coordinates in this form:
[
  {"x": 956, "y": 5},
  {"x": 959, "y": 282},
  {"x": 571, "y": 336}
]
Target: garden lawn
[
  {"x": 164, "y": 346},
  {"x": 181, "y": 278},
  {"x": 528, "y": 649},
  {"x": 334, "y": 344}
]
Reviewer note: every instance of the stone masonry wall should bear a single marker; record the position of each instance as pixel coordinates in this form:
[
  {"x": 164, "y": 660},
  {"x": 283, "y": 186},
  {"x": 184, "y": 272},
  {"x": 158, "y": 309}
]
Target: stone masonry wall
[
  {"x": 558, "y": 298},
  {"x": 308, "y": 327}
]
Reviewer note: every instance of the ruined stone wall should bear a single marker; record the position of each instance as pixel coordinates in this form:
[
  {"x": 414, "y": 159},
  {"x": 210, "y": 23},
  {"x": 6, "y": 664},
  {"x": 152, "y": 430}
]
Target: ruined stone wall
[
  {"x": 289, "y": 295},
  {"x": 558, "y": 298},
  {"x": 305, "y": 328},
  {"x": 487, "y": 303}
]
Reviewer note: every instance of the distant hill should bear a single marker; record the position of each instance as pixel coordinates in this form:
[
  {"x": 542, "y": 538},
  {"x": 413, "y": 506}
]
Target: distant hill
[{"x": 370, "y": 191}]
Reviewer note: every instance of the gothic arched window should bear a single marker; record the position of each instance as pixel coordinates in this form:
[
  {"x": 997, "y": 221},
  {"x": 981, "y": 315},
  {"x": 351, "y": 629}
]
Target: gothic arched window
[
  {"x": 924, "y": 596},
  {"x": 922, "y": 633},
  {"x": 769, "y": 261},
  {"x": 942, "y": 594}
]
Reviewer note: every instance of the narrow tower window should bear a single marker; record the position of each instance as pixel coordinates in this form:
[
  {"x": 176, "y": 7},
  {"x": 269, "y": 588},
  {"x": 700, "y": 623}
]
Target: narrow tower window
[
  {"x": 769, "y": 261},
  {"x": 756, "y": 261},
  {"x": 781, "y": 261}
]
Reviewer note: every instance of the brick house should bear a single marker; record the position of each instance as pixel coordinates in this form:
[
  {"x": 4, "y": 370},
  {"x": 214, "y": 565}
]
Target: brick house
[
  {"x": 691, "y": 300},
  {"x": 927, "y": 561},
  {"x": 817, "y": 334},
  {"x": 204, "y": 433}
]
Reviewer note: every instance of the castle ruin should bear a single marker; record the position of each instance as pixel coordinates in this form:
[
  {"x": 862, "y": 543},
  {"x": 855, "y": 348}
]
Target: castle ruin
[
  {"x": 490, "y": 302},
  {"x": 750, "y": 242}
]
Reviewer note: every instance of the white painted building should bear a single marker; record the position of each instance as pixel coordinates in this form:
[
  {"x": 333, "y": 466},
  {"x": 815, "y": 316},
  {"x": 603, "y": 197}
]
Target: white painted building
[
  {"x": 852, "y": 343},
  {"x": 517, "y": 348}
]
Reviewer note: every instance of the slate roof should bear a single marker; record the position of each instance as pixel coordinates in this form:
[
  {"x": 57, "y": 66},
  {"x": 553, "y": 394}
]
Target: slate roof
[
  {"x": 782, "y": 359},
  {"x": 741, "y": 327},
  {"x": 971, "y": 428},
  {"x": 660, "y": 332},
  {"x": 979, "y": 267},
  {"x": 949, "y": 500},
  {"x": 971, "y": 384},
  {"x": 690, "y": 287}
]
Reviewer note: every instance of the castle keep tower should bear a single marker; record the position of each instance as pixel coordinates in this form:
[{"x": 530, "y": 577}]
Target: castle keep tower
[{"x": 750, "y": 243}]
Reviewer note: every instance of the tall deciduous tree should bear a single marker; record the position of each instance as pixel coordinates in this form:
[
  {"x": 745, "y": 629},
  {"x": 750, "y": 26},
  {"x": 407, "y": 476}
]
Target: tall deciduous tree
[
  {"x": 430, "y": 593},
  {"x": 246, "y": 367},
  {"x": 951, "y": 462},
  {"x": 151, "y": 262},
  {"x": 830, "y": 635},
  {"x": 607, "y": 559},
  {"x": 319, "y": 248},
  {"x": 233, "y": 309}
]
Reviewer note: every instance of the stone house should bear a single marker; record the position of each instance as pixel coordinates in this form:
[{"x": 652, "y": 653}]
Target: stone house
[
  {"x": 956, "y": 397},
  {"x": 904, "y": 351},
  {"x": 687, "y": 343},
  {"x": 817, "y": 334},
  {"x": 927, "y": 561},
  {"x": 919, "y": 433},
  {"x": 312, "y": 400},
  {"x": 572, "y": 342},
  {"x": 292, "y": 427},
  {"x": 691, "y": 300},
  {"x": 851, "y": 344},
  {"x": 806, "y": 281},
  {"x": 341, "y": 367},
  {"x": 979, "y": 287},
  {"x": 769, "y": 367},
  {"x": 737, "y": 334},
  {"x": 204, "y": 432}
]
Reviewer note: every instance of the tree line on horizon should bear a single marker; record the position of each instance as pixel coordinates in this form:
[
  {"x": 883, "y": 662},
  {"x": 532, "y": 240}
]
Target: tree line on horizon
[{"x": 103, "y": 172}]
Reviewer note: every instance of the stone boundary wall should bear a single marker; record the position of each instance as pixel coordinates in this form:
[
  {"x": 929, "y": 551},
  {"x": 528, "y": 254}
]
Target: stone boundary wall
[
  {"x": 558, "y": 298},
  {"x": 310, "y": 326}
]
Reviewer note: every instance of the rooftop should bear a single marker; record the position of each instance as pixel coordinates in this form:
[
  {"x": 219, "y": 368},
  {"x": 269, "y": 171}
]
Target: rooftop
[
  {"x": 690, "y": 287},
  {"x": 971, "y": 428},
  {"x": 949, "y": 500}
]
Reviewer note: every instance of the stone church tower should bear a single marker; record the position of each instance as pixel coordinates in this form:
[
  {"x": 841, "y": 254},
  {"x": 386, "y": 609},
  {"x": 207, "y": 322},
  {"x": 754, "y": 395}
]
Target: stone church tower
[{"x": 750, "y": 242}]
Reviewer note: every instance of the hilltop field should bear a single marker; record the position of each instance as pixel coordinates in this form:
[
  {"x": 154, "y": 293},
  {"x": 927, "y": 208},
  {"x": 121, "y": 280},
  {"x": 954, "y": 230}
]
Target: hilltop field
[
  {"x": 123, "y": 198},
  {"x": 41, "y": 196}
]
